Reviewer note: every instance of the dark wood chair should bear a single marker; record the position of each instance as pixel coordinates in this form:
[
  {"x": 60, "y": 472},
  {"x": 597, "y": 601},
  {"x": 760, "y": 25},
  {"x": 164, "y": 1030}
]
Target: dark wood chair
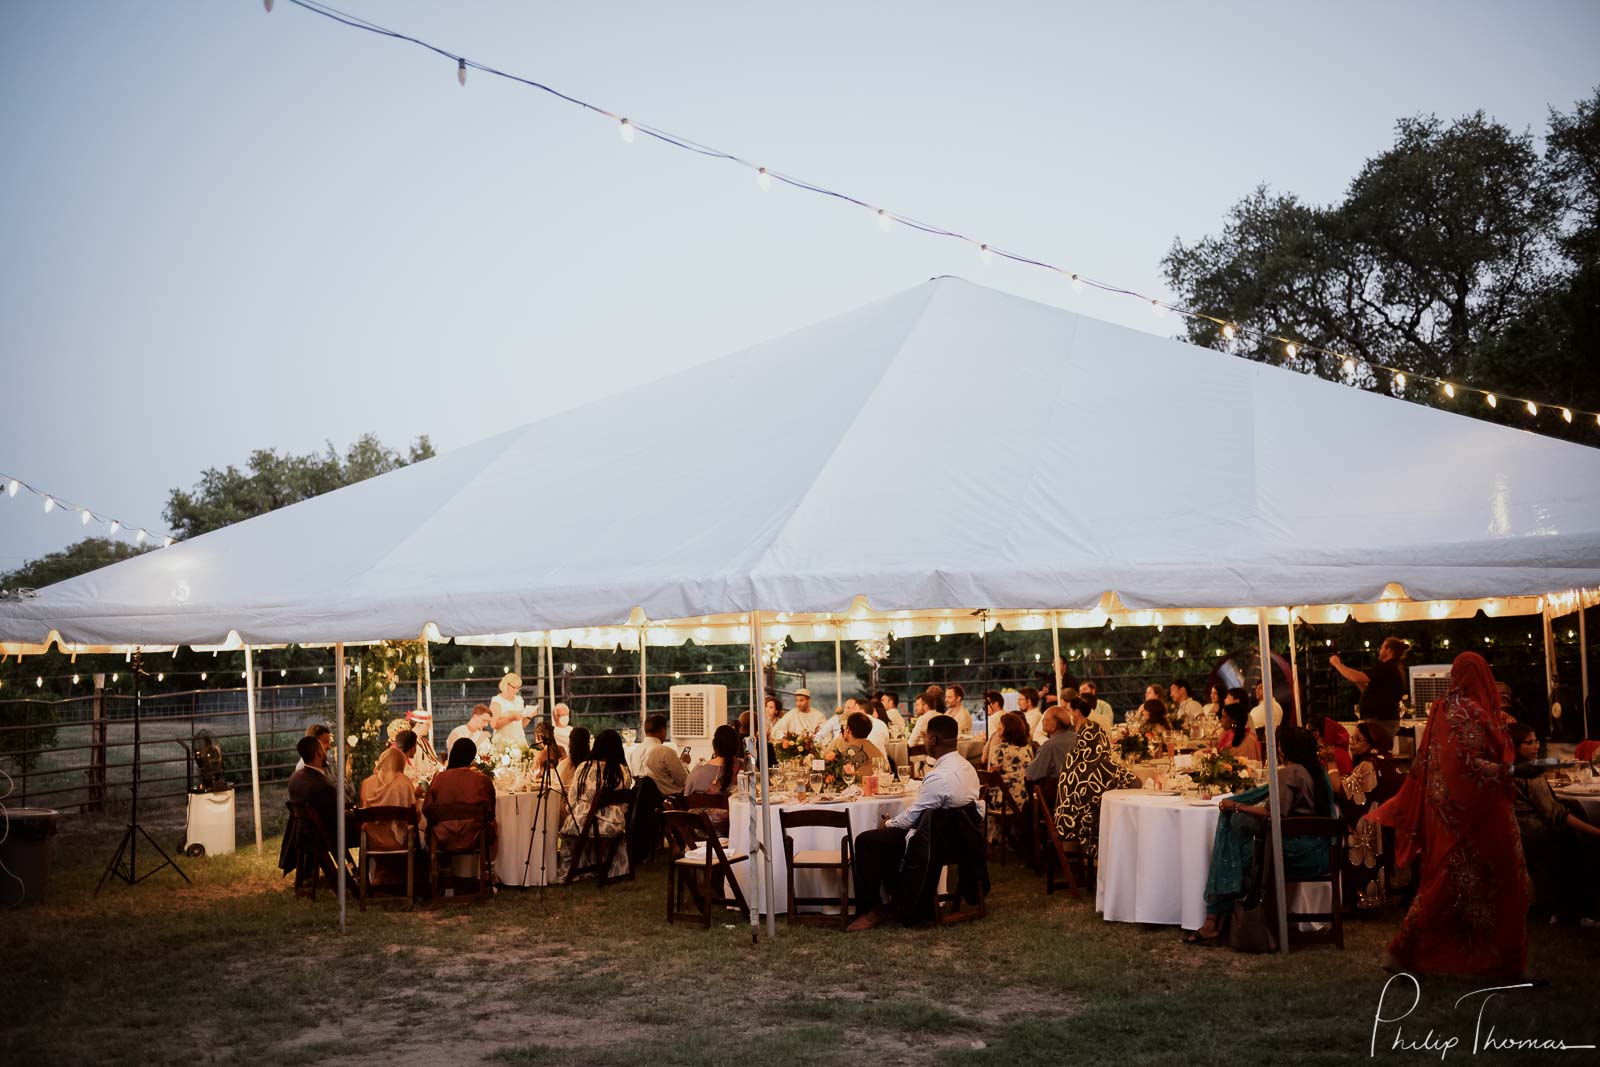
[
  {"x": 703, "y": 875},
  {"x": 1002, "y": 815},
  {"x": 1057, "y": 854},
  {"x": 838, "y": 861},
  {"x": 366, "y": 854},
  {"x": 694, "y": 801},
  {"x": 314, "y": 849},
  {"x": 1334, "y": 831},
  {"x": 604, "y": 849},
  {"x": 950, "y": 907},
  {"x": 913, "y": 768},
  {"x": 439, "y": 857}
]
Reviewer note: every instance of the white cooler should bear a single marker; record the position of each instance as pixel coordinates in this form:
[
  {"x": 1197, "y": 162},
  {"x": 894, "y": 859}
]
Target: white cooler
[{"x": 210, "y": 824}]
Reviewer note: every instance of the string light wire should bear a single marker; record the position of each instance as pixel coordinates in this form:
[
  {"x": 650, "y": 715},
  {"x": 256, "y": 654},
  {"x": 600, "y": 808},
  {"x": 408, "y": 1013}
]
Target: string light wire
[
  {"x": 886, "y": 218},
  {"x": 10, "y": 484}
]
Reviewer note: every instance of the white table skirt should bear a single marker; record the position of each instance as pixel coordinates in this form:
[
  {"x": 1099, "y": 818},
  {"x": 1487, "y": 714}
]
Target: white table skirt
[
  {"x": 864, "y": 815},
  {"x": 1588, "y": 803},
  {"x": 515, "y": 863}
]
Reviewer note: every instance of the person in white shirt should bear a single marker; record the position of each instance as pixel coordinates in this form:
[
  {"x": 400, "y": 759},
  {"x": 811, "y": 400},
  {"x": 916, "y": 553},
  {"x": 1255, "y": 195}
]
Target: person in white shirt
[
  {"x": 891, "y": 708},
  {"x": 994, "y": 706},
  {"x": 1028, "y": 705},
  {"x": 833, "y": 727},
  {"x": 476, "y": 727},
  {"x": 953, "y": 707},
  {"x": 656, "y": 760},
  {"x": 924, "y": 714},
  {"x": 1258, "y": 714},
  {"x": 507, "y": 712},
  {"x": 802, "y": 719},
  {"x": 1184, "y": 705},
  {"x": 951, "y": 783},
  {"x": 1102, "y": 712},
  {"x": 561, "y": 719}
]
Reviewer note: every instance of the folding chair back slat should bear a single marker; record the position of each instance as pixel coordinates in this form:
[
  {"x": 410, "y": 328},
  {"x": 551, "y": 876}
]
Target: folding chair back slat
[
  {"x": 827, "y": 819},
  {"x": 703, "y": 880}
]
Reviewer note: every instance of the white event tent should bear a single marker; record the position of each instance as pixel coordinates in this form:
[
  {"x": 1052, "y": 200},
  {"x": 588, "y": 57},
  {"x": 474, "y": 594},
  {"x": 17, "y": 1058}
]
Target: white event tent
[{"x": 948, "y": 458}]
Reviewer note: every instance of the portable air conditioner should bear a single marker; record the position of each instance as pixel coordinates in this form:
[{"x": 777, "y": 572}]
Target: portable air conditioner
[
  {"x": 694, "y": 712},
  {"x": 1429, "y": 682}
]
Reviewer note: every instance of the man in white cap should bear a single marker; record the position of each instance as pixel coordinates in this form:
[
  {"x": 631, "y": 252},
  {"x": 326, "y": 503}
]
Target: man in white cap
[{"x": 800, "y": 719}]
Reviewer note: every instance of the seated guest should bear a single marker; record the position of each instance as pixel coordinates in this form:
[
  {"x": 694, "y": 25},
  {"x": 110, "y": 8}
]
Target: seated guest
[
  {"x": 561, "y": 720},
  {"x": 830, "y": 730},
  {"x": 462, "y": 783},
  {"x": 1028, "y": 707},
  {"x": 891, "y": 708},
  {"x": 1562, "y": 850},
  {"x": 324, "y": 738},
  {"x": 1334, "y": 741},
  {"x": 1101, "y": 712},
  {"x": 1184, "y": 705},
  {"x": 1160, "y": 736},
  {"x": 405, "y": 742},
  {"x": 1303, "y": 789},
  {"x": 1090, "y": 770},
  {"x": 803, "y": 719},
  {"x": 388, "y": 787},
  {"x": 1258, "y": 714},
  {"x": 994, "y": 707},
  {"x": 1011, "y": 755},
  {"x": 1372, "y": 779},
  {"x": 1235, "y": 736},
  {"x": 882, "y": 727},
  {"x": 1060, "y": 737},
  {"x": 577, "y": 754},
  {"x": 952, "y": 783},
  {"x": 310, "y": 784},
  {"x": 924, "y": 712},
  {"x": 1137, "y": 715},
  {"x": 550, "y": 752},
  {"x": 426, "y": 762},
  {"x": 606, "y": 769},
  {"x": 857, "y": 737},
  {"x": 658, "y": 761},
  {"x": 718, "y": 774},
  {"x": 953, "y": 707},
  {"x": 476, "y": 729}
]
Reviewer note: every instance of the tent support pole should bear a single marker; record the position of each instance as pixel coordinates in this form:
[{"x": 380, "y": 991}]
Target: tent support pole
[
  {"x": 765, "y": 822},
  {"x": 516, "y": 658},
  {"x": 255, "y": 759},
  {"x": 1583, "y": 664},
  {"x": 1274, "y": 807},
  {"x": 1294, "y": 674},
  {"x": 339, "y": 758},
  {"x": 644, "y": 684},
  {"x": 1549, "y": 657},
  {"x": 1055, "y": 648},
  {"x": 550, "y": 675},
  {"x": 838, "y": 668},
  {"x": 427, "y": 674}
]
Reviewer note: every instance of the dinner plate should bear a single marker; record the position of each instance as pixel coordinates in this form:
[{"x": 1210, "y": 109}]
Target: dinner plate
[
  {"x": 1197, "y": 802},
  {"x": 1159, "y": 792}
]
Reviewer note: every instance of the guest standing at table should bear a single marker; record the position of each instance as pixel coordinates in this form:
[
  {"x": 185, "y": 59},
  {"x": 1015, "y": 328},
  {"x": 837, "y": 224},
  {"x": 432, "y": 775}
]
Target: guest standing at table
[
  {"x": 1258, "y": 714},
  {"x": 507, "y": 713},
  {"x": 1382, "y": 685},
  {"x": 605, "y": 770},
  {"x": 1469, "y": 916},
  {"x": 1371, "y": 780},
  {"x": 1303, "y": 789},
  {"x": 462, "y": 783},
  {"x": 577, "y": 755},
  {"x": 802, "y": 720},
  {"x": 952, "y": 783},
  {"x": 1090, "y": 770},
  {"x": 954, "y": 695},
  {"x": 1562, "y": 850}
]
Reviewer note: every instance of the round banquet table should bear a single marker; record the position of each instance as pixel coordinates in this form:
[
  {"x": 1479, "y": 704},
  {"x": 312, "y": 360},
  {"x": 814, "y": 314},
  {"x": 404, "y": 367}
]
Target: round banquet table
[
  {"x": 515, "y": 863},
  {"x": 971, "y": 748},
  {"x": 1155, "y": 853},
  {"x": 1585, "y": 799},
  {"x": 864, "y": 815}
]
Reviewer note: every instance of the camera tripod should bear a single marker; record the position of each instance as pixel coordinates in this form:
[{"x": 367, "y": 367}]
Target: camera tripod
[{"x": 129, "y": 846}]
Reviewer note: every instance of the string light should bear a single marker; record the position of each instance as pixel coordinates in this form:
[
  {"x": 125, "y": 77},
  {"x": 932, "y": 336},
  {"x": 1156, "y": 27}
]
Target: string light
[
  {"x": 1449, "y": 390},
  {"x": 1533, "y": 409},
  {"x": 51, "y": 502},
  {"x": 1228, "y": 331},
  {"x": 1490, "y": 399},
  {"x": 626, "y": 129},
  {"x": 764, "y": 180},
  {"x": 12, "y": 486},
  {"x": 1291, "y": 349},
  {"x": 984, "y": 255},
  {"x": 84, "y": 519},
  {"x": 1400, "y": 381},
  {"x": 1566, "y": 415}
]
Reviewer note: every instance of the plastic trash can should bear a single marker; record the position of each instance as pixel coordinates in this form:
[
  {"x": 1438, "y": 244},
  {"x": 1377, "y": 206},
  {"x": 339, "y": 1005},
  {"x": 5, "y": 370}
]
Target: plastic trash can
[
  {"x": 29, "y": 842},
  {"x": 211, "y": 828}
]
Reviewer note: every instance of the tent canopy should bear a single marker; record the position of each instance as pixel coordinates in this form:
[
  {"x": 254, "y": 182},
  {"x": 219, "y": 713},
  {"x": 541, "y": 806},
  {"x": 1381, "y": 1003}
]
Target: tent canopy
[{"x": 946, "y": 450}]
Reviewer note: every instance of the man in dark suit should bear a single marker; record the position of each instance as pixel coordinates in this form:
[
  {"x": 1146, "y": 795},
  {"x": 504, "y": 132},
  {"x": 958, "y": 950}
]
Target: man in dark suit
[{"x": 311, "y": 786}]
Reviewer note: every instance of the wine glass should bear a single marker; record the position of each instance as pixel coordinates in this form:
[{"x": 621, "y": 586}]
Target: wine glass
[{"x": 815, "y": 781}]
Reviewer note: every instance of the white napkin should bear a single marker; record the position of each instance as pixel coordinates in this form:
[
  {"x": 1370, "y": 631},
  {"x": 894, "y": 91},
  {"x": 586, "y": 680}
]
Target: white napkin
[{"x": 848, "y": 793}]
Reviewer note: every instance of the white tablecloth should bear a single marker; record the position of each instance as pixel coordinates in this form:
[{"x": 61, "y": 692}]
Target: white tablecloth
[
  {"x": 1155, "y": 853},
  {"x": 969, "y": 747},
  {"x": 864, "y": 815},
  {"x": 515, "y": 863},
  {"x": 1587, "y": 802}
]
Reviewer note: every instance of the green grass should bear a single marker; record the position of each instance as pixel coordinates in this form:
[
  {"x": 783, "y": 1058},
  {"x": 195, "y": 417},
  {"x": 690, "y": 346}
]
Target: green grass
[{"x": 234, "y": 969}]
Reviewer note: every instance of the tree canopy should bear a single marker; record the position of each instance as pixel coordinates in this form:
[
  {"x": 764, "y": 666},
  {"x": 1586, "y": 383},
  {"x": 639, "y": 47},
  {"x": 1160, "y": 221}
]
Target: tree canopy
[
  {"x": 1461, "y": 252},
  {"x": 89, "y": 554},
  {"x": 273, "y": 480}
]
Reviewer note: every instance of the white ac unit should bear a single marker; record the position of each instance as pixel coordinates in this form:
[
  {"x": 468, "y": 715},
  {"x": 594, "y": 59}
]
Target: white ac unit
[
  {"x": 695, "y": 711},
  {"x": 1429, "y": 682}
]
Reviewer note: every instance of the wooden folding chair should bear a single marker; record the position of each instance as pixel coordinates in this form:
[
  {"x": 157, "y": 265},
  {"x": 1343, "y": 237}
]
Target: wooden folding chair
[
  {"x": 407, "y": 816},
  {"x": 948, "y": 906},
  {"x": 913, "y": 768},
  {"x": 1057, "y": 853},
  {"x": 704, "y": 874},
  {"x": 440, "y": 857},
  {"x": 314, "y": 849},
  {"x": 837, "y": 860},
  {"x": 1004, "y": 814},
  {"x": 604, "y": 848},
  {"x": 1334, "y": 831}
]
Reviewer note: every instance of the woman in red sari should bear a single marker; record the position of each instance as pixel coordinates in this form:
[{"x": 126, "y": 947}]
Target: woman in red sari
[{"x": 1470, "y": 913}]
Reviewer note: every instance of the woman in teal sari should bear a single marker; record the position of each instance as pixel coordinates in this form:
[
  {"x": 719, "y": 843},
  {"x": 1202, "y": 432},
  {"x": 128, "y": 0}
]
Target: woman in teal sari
[{"x": 1303, "y": 789}]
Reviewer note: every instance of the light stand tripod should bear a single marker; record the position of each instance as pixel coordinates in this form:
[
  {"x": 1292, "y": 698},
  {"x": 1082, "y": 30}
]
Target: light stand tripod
[
  {"x": 129, "y": 845},
  {"x": 538, "y": 835}
]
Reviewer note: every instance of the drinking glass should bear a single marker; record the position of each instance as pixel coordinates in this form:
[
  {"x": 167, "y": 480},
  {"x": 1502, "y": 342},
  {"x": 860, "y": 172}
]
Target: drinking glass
[{"x": 815, "y": 781}]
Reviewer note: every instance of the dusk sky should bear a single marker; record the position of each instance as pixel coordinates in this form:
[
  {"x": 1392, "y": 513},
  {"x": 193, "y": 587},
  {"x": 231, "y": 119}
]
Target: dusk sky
[{"x": 229, "y": 230}]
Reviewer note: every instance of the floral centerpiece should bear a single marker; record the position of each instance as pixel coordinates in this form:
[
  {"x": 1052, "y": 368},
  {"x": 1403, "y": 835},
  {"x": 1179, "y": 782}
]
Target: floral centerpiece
[
  {"x": 793, "y": 746},
  {"x": 1220, "y": 772},
  {"x": 508, "y": 762},
  {"x": 843, "y": 767},
  {"x": 1130, "y": 742}
]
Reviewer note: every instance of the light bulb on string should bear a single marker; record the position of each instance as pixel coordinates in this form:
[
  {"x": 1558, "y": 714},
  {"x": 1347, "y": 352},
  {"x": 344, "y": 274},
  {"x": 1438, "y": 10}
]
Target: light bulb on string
[
  {"x": 625, "y": 131},
  {"x": 1566, "y": 414},
  {"x": 115, "y": 526},
  {"x": 1491, "y": 400},
  {"x": 883, "y": 220},
  {"x": 1228, "y": 331},
  {"x": 139, "y": 537},
  {"x": 1349, "y": 365},
  {"x": 1156, "y": 309},
  {"x": 202, "y": 676},
  {"x": 1400, "y": 380},
  {"x": 461, "y": 72},
  {"x": 1449, "y": 390},
  {"x": 1077, "y": 284},
  {"x": 985, "y": 257},
  {"x": 1291, "y": 350},
  {"x": 166, "y": 542},
  {"x": 83, "y": 520},
  {"x": 11, "y": 487},
  {"x": 1533, "y": 409},
  {"x": 49, "y": 504},
  {"x": 763, "y": 180}
]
